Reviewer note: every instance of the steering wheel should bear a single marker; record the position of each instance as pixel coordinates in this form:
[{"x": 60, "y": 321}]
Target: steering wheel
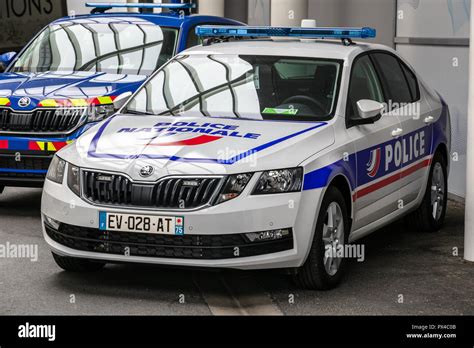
[{"x": 304, "y": 99}]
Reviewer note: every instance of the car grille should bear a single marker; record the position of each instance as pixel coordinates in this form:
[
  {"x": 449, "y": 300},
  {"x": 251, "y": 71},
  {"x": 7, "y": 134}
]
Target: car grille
[
  {"x": 38, "y": 165},
  {"x": 210, "y": 247},
  {"x": 169, "y": 193},
  {"x": 41, "y": 120}
]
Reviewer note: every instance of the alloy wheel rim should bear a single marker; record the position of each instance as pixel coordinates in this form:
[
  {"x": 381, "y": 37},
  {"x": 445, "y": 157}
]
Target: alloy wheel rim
[
  {"x": 438, "y": 191},
  {"x": 333, "y": 238}
]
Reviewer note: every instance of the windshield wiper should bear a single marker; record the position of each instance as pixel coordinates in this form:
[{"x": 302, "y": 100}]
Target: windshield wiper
[{"x": 135, "y": 112}]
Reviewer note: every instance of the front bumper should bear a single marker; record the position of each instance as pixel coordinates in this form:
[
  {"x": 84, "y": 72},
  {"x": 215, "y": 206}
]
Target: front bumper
[
  {"x": 214, "y": 236},
  {"x": 23, "y": 169},
  {"x": 25, "y": 159}
]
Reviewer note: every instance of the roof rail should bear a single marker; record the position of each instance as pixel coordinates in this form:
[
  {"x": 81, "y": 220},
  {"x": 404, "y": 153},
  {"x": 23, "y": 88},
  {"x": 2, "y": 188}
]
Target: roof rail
[
  {"x": 220, "y": 33},
  {"x": 101, "y": 7}
]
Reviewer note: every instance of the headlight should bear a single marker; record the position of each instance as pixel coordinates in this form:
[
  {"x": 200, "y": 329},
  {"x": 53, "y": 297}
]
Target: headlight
[
  {"x": 56, "y": 170},
  {"x": 279, "y": 181},
  {"x": 233, "y": 187},
  {"x": 74, "y": 179},
  {"x": 100, "y": 112}
]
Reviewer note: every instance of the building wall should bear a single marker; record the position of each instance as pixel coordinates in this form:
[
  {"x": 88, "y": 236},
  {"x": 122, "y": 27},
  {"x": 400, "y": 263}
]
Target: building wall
[
  {"x": 21, "y": 20},
  {"x": 433, "y": 36},
  {"x": 258, "y": 12},
  {"x": 78, "y": 6},
  {"x": 379, "y": 14},
  {"x": 237, "y": 9}
]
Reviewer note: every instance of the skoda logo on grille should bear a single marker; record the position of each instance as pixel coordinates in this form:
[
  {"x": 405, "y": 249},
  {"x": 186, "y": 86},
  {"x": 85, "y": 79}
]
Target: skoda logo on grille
[
  {"x": 24, "y": 102},
  {"x": 147, "y": 171}
]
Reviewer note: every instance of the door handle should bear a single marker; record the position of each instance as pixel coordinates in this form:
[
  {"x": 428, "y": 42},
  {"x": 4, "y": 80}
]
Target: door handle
[
  {"x": 429, "y": 119},
  {"x": 397, "y": 132}
]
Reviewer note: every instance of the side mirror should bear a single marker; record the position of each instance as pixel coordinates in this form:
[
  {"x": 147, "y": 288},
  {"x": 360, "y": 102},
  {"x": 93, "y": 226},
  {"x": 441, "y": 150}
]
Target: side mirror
[
  {"x": 121, "y": 100},
  {"x": 369, "y": 108},
  {"x": 370, "y": 111},
  {"x": 6, "y": 59}
]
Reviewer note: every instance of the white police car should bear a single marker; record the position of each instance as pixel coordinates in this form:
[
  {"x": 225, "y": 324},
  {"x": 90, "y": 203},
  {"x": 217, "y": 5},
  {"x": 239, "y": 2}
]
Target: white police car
[{"x": 254, "y": 154}]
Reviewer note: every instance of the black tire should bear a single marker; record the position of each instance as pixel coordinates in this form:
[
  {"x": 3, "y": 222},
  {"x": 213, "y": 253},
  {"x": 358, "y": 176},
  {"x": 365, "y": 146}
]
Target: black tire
[
  {"x": 422, "y": 219},
  {"x": 313, "y": 275},
  {"x": 1, "y": 189},
  {"x": 72, "y": 264}
]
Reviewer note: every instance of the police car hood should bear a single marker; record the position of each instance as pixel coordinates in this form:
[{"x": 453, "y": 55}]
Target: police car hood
[
  {"x": 64, "y": 85},
  {"x": 196, "y": 145}
]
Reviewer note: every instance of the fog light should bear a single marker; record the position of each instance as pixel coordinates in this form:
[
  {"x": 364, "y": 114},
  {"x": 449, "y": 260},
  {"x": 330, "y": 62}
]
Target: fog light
[
  {"x": 52, "y": 223},
  {"x": 267, "y": 235}
]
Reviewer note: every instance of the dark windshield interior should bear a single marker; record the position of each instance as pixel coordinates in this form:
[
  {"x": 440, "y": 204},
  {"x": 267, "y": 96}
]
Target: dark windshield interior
[
  {"x": 257, "y": 87},
  {"x": 305, "y": 85}
]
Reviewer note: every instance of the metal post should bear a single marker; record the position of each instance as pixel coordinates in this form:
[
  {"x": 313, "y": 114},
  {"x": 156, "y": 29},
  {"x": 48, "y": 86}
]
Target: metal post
[
  {"x": 211, "y": 7},
  {"x": 288, "y": 13},
  {"x": 258, "y": 12},
  {"x": 469, "y": 217},
  {"x": 157, "y": 10},
  {"x": 133, "y": 9}
]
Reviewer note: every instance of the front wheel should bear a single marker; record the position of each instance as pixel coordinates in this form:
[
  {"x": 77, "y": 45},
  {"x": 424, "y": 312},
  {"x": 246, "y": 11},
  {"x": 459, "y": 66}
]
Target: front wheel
[
  {"x": 429, "y": 217},
  {"x": 325, "y": 264}
]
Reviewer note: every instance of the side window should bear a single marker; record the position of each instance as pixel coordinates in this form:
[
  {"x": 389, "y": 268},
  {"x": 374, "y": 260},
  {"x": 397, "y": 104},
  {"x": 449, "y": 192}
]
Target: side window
[
  {"x": 393, "y": 77},
  {"x": 412, "y": 83},
  {"x": 364, "y": 84}
]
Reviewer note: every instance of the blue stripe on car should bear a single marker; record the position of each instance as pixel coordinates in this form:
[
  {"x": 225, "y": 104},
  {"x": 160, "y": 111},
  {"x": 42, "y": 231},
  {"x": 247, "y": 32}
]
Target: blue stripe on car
[{"x": 93, "y": 149}]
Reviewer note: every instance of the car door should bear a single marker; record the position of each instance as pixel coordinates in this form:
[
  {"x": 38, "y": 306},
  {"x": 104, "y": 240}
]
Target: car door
[
  {"x": 416, "y": 143},
  {"x": 377, "y": 192}
]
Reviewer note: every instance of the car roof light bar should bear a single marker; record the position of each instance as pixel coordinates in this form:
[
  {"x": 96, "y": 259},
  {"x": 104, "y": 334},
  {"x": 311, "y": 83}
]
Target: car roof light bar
[
  {"x": 101, "y": 7},
  {"x": 345, "y": 34}
]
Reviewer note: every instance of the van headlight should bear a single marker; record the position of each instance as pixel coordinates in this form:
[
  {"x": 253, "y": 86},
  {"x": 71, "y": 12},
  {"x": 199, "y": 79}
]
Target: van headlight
[
  {"x": 56, "y": 170},
  {"x": 74, "y": 179},
  {"x": 279, "y": 181},
  {"x": 101, "y": 112}
]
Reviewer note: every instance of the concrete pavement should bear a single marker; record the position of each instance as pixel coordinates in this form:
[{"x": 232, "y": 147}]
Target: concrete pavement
[{"x": 405, "y": 273}]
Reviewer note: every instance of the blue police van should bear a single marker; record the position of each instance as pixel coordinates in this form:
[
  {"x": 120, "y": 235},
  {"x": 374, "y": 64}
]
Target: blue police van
[{"x": 76, "y": 72}]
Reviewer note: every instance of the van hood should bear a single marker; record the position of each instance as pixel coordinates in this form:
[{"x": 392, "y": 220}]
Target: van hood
[
  {"x": 64, "y": 85},
  {"x": 196, "y": 145}
]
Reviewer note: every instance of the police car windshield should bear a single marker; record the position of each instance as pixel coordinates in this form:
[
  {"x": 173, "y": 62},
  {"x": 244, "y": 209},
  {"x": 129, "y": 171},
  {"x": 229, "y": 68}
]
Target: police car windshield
[
  {"x": 118, "y": 46},
  {"x": 255, "y": 87}
]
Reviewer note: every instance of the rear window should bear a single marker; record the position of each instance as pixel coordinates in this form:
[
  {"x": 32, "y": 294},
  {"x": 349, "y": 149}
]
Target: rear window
[
  {"x": 393, "y": 77},
  {"x": 412, "y": 83}
]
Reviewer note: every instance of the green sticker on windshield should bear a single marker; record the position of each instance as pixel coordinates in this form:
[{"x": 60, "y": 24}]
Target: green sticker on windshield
[{"x": 273, "y": 111}]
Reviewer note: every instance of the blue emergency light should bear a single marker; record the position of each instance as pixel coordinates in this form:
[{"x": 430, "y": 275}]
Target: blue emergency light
[
  {"x": 104, "y": 6},
  {"x": 309, "y": 33}
]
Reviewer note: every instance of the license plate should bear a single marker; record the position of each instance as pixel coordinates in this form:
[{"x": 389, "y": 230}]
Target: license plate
[{"x": 172, "y": 225}]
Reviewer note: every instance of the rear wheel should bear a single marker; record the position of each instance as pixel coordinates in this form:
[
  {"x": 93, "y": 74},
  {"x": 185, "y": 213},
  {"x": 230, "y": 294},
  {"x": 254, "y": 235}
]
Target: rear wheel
[
  {"x": 72, "y": 264},
  {"x": 323, "y": 268},
  {"x": 429, "y": 217}
]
